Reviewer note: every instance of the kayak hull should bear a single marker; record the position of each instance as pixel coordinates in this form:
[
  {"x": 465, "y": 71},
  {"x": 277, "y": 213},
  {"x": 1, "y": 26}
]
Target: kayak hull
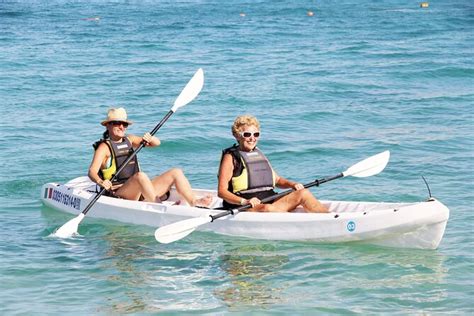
[{"x": 403, "y": 225}]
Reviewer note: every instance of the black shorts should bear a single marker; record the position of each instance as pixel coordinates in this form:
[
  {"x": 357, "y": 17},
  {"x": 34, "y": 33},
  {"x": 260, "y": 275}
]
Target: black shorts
[
  {"x": 164, "y": 197},
  {"x": 260, "y": 195}
]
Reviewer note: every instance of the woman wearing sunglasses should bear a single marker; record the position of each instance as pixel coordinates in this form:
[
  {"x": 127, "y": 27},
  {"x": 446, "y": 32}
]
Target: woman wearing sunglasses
[
  {"x": 246, "y": 176},
  {"x": 132, "y": 184}
]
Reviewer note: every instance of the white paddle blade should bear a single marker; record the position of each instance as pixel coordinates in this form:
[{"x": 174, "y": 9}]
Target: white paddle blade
[
  {"x": 179, "y": 230},
  {"x": 370, "y": 166},
  {"x": 191, "y": 90},
  {"x": 70, "y": 228}
]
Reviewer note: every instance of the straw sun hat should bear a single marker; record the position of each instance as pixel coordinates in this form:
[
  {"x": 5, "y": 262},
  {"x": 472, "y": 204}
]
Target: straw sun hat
[{"x": 116, "y": 115}]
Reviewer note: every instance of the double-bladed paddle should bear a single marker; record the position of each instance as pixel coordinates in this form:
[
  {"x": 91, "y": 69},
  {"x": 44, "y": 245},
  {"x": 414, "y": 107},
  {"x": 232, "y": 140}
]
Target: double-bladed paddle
[
  {"x": 190, "y": 91},
  {"x": 365, "y": 168}
]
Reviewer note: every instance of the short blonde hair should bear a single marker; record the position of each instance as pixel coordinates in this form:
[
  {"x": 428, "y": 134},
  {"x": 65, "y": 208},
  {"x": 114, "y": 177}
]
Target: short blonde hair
[{"x": 244, "y": 120}]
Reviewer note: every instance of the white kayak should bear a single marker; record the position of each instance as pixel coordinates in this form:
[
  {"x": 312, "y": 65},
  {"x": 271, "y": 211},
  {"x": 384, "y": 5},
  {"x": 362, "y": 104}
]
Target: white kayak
[{"x": 403, "y": 225}]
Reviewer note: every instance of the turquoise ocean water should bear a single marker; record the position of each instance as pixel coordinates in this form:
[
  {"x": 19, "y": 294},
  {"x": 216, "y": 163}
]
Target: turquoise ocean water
[{"x": 354, "y": 79}]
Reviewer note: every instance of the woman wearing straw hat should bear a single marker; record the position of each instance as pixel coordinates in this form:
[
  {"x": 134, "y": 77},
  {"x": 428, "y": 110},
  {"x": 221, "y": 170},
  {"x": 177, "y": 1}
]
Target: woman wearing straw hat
[{"x": 133, "y": 184}]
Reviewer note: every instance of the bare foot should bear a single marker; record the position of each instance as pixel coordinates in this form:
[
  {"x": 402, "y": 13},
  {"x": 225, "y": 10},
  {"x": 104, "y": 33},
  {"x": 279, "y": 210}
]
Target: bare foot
[{"x": 204, "y": 201}]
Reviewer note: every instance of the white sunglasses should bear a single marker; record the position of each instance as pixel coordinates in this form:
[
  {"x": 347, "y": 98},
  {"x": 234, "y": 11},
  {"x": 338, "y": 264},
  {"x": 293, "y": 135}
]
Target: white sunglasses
[{"x": 248, "y": 134}]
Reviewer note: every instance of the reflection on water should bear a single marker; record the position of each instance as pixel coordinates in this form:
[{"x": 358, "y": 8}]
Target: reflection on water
[
  {"x": 407, "y": 266},
  {"x": 112, "y": 261},
  {"x": 324, "y": 276},
  {"x": 152, "y": 278},
  {"x": 401, "y": 276},
  {"x": 252, "y": 271},
  {"x": 131, "y": 273},
  {"x": 122, "y": 261}
]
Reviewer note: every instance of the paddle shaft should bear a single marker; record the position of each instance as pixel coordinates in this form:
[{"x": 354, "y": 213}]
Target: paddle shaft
[
  {"x": 122, "y": 166},
  {"x": 275, "y": 197}
]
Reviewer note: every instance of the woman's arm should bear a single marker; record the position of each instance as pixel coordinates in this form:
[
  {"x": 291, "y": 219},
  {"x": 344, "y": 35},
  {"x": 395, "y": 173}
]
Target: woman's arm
[
  {"x": 100, "y": 155},
  {"x": 226, "y": 170},
  {"x": 287, "y": 184}
]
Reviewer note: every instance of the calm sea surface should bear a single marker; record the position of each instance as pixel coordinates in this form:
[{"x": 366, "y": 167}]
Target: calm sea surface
[{"x": 354, "y": 79}]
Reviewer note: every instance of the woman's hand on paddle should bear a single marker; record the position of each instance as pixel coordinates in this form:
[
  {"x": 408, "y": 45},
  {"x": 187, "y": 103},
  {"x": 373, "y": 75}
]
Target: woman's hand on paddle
[
  {"x": 254, "y": 202},
  {"x": 106, "y": 184},
  {"x": 147, "y": 138},
  {"x": 298, "y": 186}
]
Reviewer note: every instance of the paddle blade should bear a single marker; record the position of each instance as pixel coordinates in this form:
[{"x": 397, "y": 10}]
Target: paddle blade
[
  {"x": 370, "y": 166},
  {"x": 179, "y": 230},
  {"x": 191, "y": 90},
  {"x": 70, "y": 228}
]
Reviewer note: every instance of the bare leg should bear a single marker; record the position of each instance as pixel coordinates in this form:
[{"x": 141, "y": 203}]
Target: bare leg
[
  {"x": 163, "y": 183},
  {"x": 311, "y": 204},
  {"x": 292, "y": 201},
  {"x": 138, "y": 184}
]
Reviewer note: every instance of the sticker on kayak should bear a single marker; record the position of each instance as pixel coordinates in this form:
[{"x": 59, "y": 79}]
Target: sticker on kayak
[
  {"x": 351, "y": 226},
  {"x": 63, "y": 198}
]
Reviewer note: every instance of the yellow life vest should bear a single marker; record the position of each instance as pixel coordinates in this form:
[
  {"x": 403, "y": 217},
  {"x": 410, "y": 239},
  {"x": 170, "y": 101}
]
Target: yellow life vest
[
  {"x": 119, "y": 153},
  {"x": 252, "y": 172}
]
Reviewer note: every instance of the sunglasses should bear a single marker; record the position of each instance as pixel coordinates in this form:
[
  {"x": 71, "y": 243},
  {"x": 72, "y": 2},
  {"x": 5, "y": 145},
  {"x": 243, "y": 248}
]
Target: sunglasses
[
  {"x": 118, "y": 123},
  {"x": 248, "y": 134}
]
